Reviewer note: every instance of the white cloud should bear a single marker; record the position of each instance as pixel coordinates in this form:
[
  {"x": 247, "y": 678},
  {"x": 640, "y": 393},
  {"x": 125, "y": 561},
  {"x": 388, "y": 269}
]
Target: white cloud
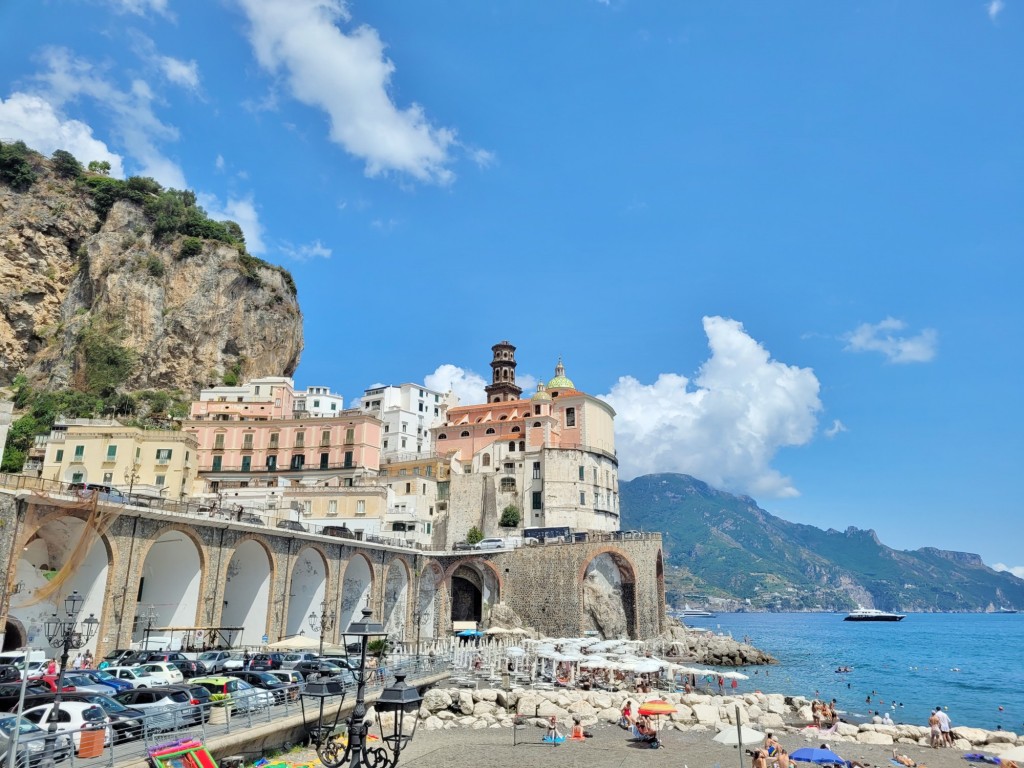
[
  {"x": 131, "y": 111},
  {"x": 836, "y": 428},
  {"x": 994, "y": 8},
  {"x": 468, "y": 385},
  {"x": 35, "y": 121},
  {"x": 484, "y": 158},
  {"x": 142, "y": 7},
  {"x": 1016, "y": 570},
  {"x": 243, "y": 212},
  {"x": 882, "y": 337},
  {"x": 727, "y": 425},
  {"x": 219, "y": 162},
  {"x": 307, "y": 252},
  {"x": 183, "y": 73},
  {"x": 346, "y": 74}
]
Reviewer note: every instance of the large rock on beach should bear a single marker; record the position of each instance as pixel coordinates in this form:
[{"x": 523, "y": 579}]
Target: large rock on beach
[
  {"x": 437, "y": 699},
  {"x": 873, "y": 737}
]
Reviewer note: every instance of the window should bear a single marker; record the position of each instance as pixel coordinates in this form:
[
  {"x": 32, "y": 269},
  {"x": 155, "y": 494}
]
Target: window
[
  {"x": 487, "y": 460},
  {"x": 570, "y": 417},
  {"x": 408, "y": 487},
  {"x": 246, "y": 463},
  {"x": 511, "y": 445},
  {"x": 60, "y": 454},
  {"x": 360, "y": 507},
  {"x": 490, "y": 431},
  {"x": 442, "y": 436},
  {"x": 516, "y": 429},
  {"x": 324, "y": 460},
  {"x": 421, "y": 407},
  {"x": 508, "y": 483},
  {"x": 350, "y": 435},
  {"x": 465, "y": 433},
  {"x": 423, "y": 489},
  {"x": 111, "y": 452},
  {"x": 272, "y": 463},
  {"x": 583, "y": 498},
  {"x": 77, "y": 477},
  {"x": 217, "y": 462},
  {"x": 416, "y": 471},
  {"x": 298, "y": 460},
  {"x": 522, "y": 445},
  {"x": 509, "y": 468},
  {"x": 332, "y": 508},
  {"x": 536, "y": 410},
  {"x": 161, "y": 480},
  {"x": 79, "y": 452},
  {"x": 536, "y": 423},
  {"x": 218, "y": 442},
  {"x": 274, "y": 438},
  {"x": 325, "y": 438},
  {"x": 334, "y": 406},
  {"x": 537, "y": 500},
  {"x": 348, "y": 459},
  {"x": 428, "y": 524},
  {"x": 582, "y": 471},
  {"x": 387, "y": 428},
  {"x": 108, "y": 477},
  {"x": 430, "y": 471},
  {"x": 316, "y": 403},
  {"x": 595, "y": 474},
  {"x": 536, "y": 470},
  {"x": 247, "y": 441},
  {"x": 403, "y": 442},
  {"x": 300, "y": 439},
  {"x": 385, "y": 443},
  {"x": 163, "y": 455}
]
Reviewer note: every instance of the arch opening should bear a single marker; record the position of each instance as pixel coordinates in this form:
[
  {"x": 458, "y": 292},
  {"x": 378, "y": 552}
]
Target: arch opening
[
  {"x": 355, "y": 590},
  {"x": 247, "y": 593},
  {"x": 307, "y": 589},
  {"x": 474, "y": 589},
  {"x": 396, "y": 600},
  {"x": 171, "y": 575},
  {"x": 609, "y": 596}
]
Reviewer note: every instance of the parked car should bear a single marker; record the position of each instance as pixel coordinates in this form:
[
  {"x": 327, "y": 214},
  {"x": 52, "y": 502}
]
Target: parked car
[
  {"x": 105, "y": 492},
  {"x": 244, "y": 697},
  {"x": 73, "y": 717},
  {"x": 492, "y": 543},
  {"x": 9, "y": 673},
  {"x": 291, "y": 525},
  {"x": 32, "y": 747},
  {"x": 165, "y": 709},
  {"x": 251, "y": 519},
  {"x": 148, "y": 657},
  {"x": 201, "y": 697},
  {"x": 292, "y": 679},
  {"x": 190, "y": 668},
  {"x": 265, "y": 662},
  {"x": 214, "y": 660},
  {"x": 76, "y": 681},
  {"x": 234, "y": 662},
  {"x": 164, "y": 670},
  {"x": 10, "y": 693},
  {"x": 50, "y": 681},
  {"x": 103, "y": 677},
  {"x": 126, "y": 722},
  {"x": 117, "y": 656},
  {"x": 266, "y": 681},
  {"x": 341, "y": 532},
  {"x": 289, "y": 660},
  {"x": 137, "y": 676},
  {"x": 311, "y": 670},
  {"x": 460, "y": 545}
]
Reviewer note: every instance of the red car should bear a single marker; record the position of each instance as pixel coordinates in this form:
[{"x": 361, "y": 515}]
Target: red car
[{"x": 50, "y": 681}]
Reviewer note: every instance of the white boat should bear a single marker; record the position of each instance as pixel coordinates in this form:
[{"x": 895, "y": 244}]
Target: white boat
[
  {"x": 1004, "y": 609},
  {"x": 687, "y": 613},
  {"x": 872, "y": 614}
]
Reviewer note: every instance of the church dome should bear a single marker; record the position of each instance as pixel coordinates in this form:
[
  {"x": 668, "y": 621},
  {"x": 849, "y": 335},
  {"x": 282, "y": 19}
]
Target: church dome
[
  {"x": 541, "y": 393},
  {"x": 561, "y": 381}
]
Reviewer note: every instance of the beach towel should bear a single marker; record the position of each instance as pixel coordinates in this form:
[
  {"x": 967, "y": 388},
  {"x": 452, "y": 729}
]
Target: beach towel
[{"x": 556, "y": 740}]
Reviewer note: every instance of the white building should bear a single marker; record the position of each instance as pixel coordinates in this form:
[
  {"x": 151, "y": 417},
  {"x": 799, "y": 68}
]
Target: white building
[
  {"x": 408, "y": 411},
  {"x": 318, "y": 402}
]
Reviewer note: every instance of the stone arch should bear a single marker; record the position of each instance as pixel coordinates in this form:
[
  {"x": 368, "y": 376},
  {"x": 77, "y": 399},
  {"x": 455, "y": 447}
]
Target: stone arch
[
  {"x": 247, "y": 581},
  {"x": 307, "y": 587},
  {"x": 60, "y": 546},
  {"x": 356, "y": 588},
  {"x": 608, "y": 594},
  {"x": 15, "y": 634},
  {"x": 169, "y": 579},
  {"x": 474, "y": 585},
  {"x": 395, "y": 598},
  {"x": 426, "y": 608}
]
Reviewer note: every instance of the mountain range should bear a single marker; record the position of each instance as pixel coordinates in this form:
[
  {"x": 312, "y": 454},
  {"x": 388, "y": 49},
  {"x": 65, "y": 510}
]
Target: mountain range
[{"x": 728, "y": 550}]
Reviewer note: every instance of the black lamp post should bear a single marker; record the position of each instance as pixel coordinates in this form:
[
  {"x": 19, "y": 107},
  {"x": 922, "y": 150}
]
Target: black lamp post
[
  {"x": 400, "y": 700},
  {"x": 65, "y": 634},
  {"x": 323, "y": 623},
  {"x": 150, "y": 617}
]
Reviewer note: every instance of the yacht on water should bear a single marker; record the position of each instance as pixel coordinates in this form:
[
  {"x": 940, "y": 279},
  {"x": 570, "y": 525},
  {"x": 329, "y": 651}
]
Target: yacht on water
[
  {"x": 688, "y": 613},
  {"x": 872, "y": 614},
  {"x": 1004, "y": 609}
]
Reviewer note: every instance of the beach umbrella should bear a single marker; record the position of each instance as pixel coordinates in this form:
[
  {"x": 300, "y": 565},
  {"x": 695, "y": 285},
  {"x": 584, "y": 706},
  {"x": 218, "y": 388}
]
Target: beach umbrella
[
  {"x": 647, "y": 666},
  {"x": 656, "y": 707},
  {"x": 1017, "y": 753},
  {"x": 514, "y": 651},
  {"x": 737, "y": 736},
  {"x": 735, "y": 676},
  {"x": 818, "y": 756},
  {"x": 470, "y": 633}
]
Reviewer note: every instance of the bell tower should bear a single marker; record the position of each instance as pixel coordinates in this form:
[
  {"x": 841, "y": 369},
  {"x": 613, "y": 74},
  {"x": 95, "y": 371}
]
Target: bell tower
[{"x": 503, "y": 375}]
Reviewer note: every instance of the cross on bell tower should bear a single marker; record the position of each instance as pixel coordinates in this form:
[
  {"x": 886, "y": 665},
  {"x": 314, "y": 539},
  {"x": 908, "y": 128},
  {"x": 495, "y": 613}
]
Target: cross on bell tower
[{"x": 503, "y": 375}]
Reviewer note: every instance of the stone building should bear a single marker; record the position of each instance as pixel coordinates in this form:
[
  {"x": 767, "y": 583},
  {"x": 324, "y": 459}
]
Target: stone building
[{"x": 551, "y": 457}]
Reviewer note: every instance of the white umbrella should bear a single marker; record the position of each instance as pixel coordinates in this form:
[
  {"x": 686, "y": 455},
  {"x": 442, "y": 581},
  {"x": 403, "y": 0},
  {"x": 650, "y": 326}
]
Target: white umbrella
[
  {"x": 496, "y": 631},
  {"x": 735, "y": 676},
  {"x": 732, "y": 736},
  {"x": 514, "y": 651},
  {"x": 647, "y": 666},
  {"x": 1017, "y": 753},
  {"x": 298, "y": 643}
]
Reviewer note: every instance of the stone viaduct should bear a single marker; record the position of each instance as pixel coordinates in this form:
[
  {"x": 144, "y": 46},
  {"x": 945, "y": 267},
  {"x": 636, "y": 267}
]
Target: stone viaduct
[{"x": 247, "y": 582}]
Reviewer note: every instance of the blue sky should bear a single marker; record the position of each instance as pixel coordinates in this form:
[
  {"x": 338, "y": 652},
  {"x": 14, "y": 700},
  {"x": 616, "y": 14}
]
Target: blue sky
[{"x": 783, "y": 239}]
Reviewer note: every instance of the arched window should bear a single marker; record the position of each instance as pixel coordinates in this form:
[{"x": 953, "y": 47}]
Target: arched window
[
  {"x": 516, "y": 429},
  {"x": 442, "y": 436},
  {"x": 508, "y": 483},
  {"x": 503, "y": 417},
  {"x": 487, "y": 460},
  {"x": 511, "y": 445},
  {"x": 522, "y": 445},
  {"x": 536, "y": 424},
  {"x": 490, "y": 431},
  {"x": 464, "y": 434}
]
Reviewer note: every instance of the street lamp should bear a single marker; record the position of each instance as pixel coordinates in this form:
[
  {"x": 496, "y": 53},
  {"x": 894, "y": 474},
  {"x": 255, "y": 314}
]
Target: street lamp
[
  {"x": 150, "y": 617},
  {"x": 323, "y": 623},
  {"x": 65, "y": 634},
  {"x": 399, "y": 700}
]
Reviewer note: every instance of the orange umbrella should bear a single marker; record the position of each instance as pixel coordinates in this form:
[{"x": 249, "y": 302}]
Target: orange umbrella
[{"x": 656, "y": 707}]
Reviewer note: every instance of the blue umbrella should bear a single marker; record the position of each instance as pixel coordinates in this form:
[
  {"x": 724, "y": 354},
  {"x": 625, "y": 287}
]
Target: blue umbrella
[
  {"x": 819, "y": 756},
  {"x": 469, "y": 633}
]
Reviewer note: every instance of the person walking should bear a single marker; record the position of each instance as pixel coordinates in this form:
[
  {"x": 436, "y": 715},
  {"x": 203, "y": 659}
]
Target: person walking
[{"x": 945, "y": 726}]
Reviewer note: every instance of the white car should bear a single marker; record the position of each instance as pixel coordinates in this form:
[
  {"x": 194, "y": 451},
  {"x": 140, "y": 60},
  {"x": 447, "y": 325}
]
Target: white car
[
  {"x": 490, "y": 544},
  {"x": 137, "y": 676},
  {"x": 164, "y": 670},
  {"x": 73, "y": 717},
  {"x": 289, "y": 660}
]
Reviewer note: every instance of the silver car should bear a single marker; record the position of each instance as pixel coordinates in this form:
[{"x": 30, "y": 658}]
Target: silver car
[
  {"x": 87, "y": 685},
  {"x": 31, "y": 743}
]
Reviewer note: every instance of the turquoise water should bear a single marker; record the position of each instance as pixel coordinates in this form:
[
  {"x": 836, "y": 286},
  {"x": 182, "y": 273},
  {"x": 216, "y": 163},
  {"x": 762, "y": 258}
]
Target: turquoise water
[{"x": 913, "y": 662}]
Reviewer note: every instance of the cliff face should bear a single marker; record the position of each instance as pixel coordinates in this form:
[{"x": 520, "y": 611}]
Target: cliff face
[{"x": 85, "y": 301}]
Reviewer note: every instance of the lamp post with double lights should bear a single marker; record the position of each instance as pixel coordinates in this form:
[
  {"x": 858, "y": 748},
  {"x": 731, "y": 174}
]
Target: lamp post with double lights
[
  {"x": 323, "y": 623},
  {"x": 399, "y": 700},
  {"x": 65, "y": 633}
]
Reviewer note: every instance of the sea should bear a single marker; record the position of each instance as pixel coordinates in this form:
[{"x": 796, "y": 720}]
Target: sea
[{"x": 972, "y": 665}]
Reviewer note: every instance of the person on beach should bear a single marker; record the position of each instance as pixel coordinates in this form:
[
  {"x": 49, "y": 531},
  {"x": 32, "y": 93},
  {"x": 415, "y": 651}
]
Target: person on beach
[
  {"x": 945, "y": 727},
  {"x": 887, "y": 719},
  {"x": 903, "y": 760},
  {"x": 816, "y": 713},
  {"x": 936, "y": 732},
  {"x": 553, "y": 733},
  {"x": 771, "y": 745},
  {"x": 782, "y": 758},
  {"x": 759, "y": 759},
  {"x": 626, "y": 716}
]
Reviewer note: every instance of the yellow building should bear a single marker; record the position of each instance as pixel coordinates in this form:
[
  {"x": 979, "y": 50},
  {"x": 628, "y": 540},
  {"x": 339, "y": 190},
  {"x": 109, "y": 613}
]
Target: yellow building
[{"x": 154, "y": 462}]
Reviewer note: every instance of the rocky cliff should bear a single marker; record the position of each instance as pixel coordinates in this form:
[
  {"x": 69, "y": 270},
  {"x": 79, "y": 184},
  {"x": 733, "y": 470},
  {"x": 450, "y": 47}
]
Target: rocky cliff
[{"x": 92, "y": 298}]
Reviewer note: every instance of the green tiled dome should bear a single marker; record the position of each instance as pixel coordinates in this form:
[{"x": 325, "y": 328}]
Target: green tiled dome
[{"x": 561, "y": 381}]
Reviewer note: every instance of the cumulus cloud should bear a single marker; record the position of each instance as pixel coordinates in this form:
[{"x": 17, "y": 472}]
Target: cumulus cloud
[
  {"x": 37, "y": 122},
  {"x": 307, "y": 252},
  {"x": 725, "y": 426},
  {"x": 1016, "y": 570},
  {"x": 141, "y": 7},
  {"x": 885, "y": 337},
  {"x": 836, "y": 428},
  {"x": 345, "y": 73},
  {"x": 183, "y": 73},
  {"x": 468, "y": 385},
  {"x": 994, "y": 8},
  {"x": 243, "y": 212},
  {"x": 134, "y": 122}
]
